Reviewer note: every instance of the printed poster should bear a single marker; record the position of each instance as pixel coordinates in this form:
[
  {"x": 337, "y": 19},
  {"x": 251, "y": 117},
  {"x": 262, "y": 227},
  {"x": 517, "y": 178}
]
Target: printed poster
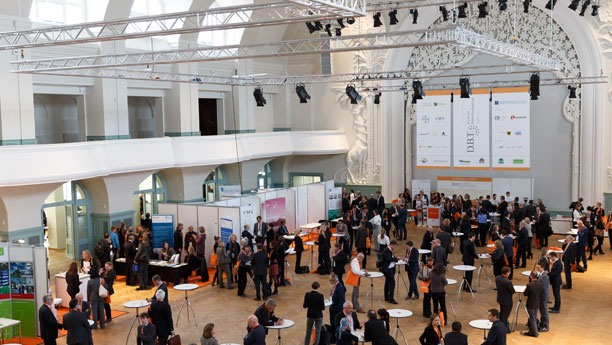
[
  {"x": 471, "y": 131},
  {"x": 227, "y": 229},
  {"x": 162, "y": 227},
  {"x": 274, "y": 211},
  {"x": 510, "y": 120},
  {"x": 433, "y": 127},
  {"x": 22, "y": 292},
  {"x": 334, "y": 202}
]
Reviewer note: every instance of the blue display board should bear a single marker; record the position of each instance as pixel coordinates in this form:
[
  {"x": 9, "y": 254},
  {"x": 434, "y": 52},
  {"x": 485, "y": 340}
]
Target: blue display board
[
  {"x": 163, "y": 228},
  {"x": 227, "y": 229}
]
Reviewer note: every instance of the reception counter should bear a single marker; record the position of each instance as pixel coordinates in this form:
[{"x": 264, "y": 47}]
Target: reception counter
[{"x": 61, "y": 288}]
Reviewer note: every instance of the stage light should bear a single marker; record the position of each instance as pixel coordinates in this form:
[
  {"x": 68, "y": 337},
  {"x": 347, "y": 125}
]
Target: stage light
[
  {"x": 377, "y": 21},
  {"x": 464, "y": 84},
  {"x": 352, "y": 94},
  {"x": 328, "y": 29},
  {"x": 572, "y": 91},
  {"x": 417, "y": 91},
  {"x": 350, "y": 21},
  {"x": 595, "y": 8},
  {"x": 338, "y": 32},
  {"x": 502, "y": 5},
  {"x": 574, "y": 5},
  {"x": 551, "y": 4},
  {"x": 415, "y": 15},
  {"x": 341, "y": 23},
  {"x": 534, "y": 86},
  {"x": 300, "y": 90},
  {"x": 462, "y": 9},
  {"x": 377, "y": 98},
  {"x": 393, "y": 17},
  {"x": 259, "y": 98},
  {"x": 585, "y": 5},
  {"x": 483, "y": 9},
  {"x": 311, "y": 28},
  {"x": 526, "y": 4},
  {"x": 318, "y": 25},
  {"x": 444, "y": 13}
]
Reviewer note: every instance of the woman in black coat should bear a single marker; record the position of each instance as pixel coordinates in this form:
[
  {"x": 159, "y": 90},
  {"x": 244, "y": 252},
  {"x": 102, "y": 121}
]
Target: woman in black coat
[
  {"x": 72, "y": 280},
  {"x": 299, "y": 248},
  {"x": 432, "y": 335},
  {"x": 324, "y": 259}
]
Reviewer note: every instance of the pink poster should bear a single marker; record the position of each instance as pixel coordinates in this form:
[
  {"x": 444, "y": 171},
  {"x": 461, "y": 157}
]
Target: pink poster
[{"x": 274, "y": 211}]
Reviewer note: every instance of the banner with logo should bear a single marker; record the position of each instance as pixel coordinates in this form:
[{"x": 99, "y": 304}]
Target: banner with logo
[
  {"x": 433, "y": 130},
  {"x": 334, "y": 202},
  {"x": 510, "y": 126},
  {"x": 474, "y": 186},
  {"x": 471, "y": 131}
]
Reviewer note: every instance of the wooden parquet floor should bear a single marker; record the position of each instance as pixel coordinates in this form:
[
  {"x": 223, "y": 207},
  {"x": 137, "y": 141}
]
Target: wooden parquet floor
[{"x": 586, "y": 311}]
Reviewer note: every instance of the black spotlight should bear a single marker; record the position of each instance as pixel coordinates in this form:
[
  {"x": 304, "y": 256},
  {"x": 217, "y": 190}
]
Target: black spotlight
[
  {"x": 444, "y": 13},
  {"x": 350, "y": 21},
  {"x": 526, "y": 4},
  {"x": 352, "y": 94},
  {"x": 338, "y": 32},
  {"x": 318, "y": 25},
  {"x": 259, "y": 98},
  {"x": 585, "y": 5},
  {"x": 300, "y": 90},
  {"x": 341, "y": 23},
  {"x": 462, "y": 8},
  {"x": 377, "y": 21},
  {"x": 311, "y": 28},
  {"x": 393, "y": 17},
  {"x": 534, "y": 86},
  {"x": 483, "y": 9},
  {"x": 595, "y": 8},
  {"x": 572, "y": 91},
  {"x": 464, "y": 84},
  {"x": 415, "y": 15},
  {"x": 377, "y": 98},
  {"x": 574, "y": 5},
  {"x": 328, "y": 29},
  {"x": 503, "y": 5},
  {"x": 551, "y": 4},
  {"x": 417, "y": 91}
]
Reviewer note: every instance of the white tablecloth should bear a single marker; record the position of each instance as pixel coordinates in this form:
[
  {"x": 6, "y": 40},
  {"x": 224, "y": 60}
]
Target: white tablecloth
[{"x": 61, "y": 288}]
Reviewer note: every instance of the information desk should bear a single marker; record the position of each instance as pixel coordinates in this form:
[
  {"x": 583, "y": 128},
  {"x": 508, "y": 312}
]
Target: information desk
[
  {"x": 168, "y": 272},
  {"x": 61, "y": 288}
]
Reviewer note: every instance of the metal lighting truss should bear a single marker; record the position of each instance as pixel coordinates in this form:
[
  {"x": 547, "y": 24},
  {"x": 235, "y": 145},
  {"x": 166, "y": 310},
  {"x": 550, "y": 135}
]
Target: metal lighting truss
[
  {"x": 340, "y": 7},
  {"x": 385, "y": 40}
]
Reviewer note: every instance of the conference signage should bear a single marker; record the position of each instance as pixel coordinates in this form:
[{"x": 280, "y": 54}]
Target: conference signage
[
  {"x": 474, "y": 186},
  {"x": 471, "y": 131},
  {"x": 510, "y": 126},
  {"x": 433, "y": 130},
  {"x": 162, "y": 226}
]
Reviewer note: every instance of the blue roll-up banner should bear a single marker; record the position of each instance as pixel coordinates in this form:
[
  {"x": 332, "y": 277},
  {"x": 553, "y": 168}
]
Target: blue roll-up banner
[
  {"x": 163, "y": 229},
  {"x": 227, "y": 229}
]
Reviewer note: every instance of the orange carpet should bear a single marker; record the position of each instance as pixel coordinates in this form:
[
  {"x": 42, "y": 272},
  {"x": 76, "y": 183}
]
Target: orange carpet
[{"x": 60, "y": 312}]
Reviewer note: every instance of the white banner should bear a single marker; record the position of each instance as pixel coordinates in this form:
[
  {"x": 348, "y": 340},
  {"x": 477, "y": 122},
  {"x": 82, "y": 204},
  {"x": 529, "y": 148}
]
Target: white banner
[
  {"x": 229, "y": 191},
  {"x": 421, "y": 185},
  {"x": 433, "y": 130},
  {"x": 474, "y": 186},
  {"x": 471, "y": 131},
  {"x": 510, "y": 125}
]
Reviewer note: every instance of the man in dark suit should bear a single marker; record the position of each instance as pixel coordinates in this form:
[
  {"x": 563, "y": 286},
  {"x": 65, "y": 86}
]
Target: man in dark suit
[
  {"x": 570, "y": 257},
  {"x": 256, "y": 332},
  {"x": 159, "y": 286},
  {"x": 505, "y": 290},
  {"x": 543, "y": 229},
  {"x": 503, "y": 206},
  {"x": 555, "y": 281},
  {"x": 315, "y": 303},
  {"x": 412, "y": 267},
  {"x": 360, "y": 242},
  {"x": 455, "y": 337},
  {"x": 438, "y": 253},
  {"x": 178, "y": 239},
  {"x": 508, "y": 243},
  {"x": 497, "y": 333},
  {"x": 468, "y": 256},
  {"x": 445, "y": 241},
  {"x": 48, "y": 323},
  {"x": 380, "y": 203},
  {"x": 506, "y": 223},
  {"x": 338, "y": 297},
  {"x": 402, "y": 218},
  {"x": 533, "y": 291},
  {"x": 388, "y": 269},
  {"x": 146, "y": 331},
  {"x": 346, "y": 203},
  {"x": 530, "y": 210},
  {"x": 130, "y": 254},
  {"x": 428, "y": 237},
  {"x": 340, "y": 259},
  {"x": 487, "y": 205},
  {"x": 375, "y": 331},
  {"x": 372, "y": 203},
  {"x": 265, "y": 314},
  {"x": 77, "y": 326},
  {"x": 161, "y": 316},
  {"x": 260, "y": 229},
  {"x": 583, "y": 232},
  {"x": 523, "y": 242},
  {"x": 259, "y": 264},
  {"x": 347, "y": 312}
]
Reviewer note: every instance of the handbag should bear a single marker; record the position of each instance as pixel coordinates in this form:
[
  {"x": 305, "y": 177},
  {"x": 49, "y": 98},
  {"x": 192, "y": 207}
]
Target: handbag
[
  {"x": 102, "y": 292},
  {"x": 213, "y": 259},
  {"x": 174, "y": 340},
  {"x": 424, "y": 286},
  {"x": 273, "y": 270},
  {"x": 134, "y": 267},
  {"x": 368, "y": 242}
]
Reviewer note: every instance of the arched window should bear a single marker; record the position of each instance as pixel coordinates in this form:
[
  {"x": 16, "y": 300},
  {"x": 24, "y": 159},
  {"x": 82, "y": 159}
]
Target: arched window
[
  {"x": 67, "y": 11},
  {"x": 264, "y": 177},
  {"x": 151, "y": 191},
  {"x": 211, "y": 185}
]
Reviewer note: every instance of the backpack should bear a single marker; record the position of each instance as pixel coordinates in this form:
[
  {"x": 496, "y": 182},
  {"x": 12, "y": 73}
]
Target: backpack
[{"x": 99, "y": 251}]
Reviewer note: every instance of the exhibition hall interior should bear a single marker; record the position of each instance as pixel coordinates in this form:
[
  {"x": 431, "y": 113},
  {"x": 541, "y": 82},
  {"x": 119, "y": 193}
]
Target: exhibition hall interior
[{"x": 305, "y": 172}]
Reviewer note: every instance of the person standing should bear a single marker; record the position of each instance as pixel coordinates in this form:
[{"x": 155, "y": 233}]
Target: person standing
[
  {"x": 455, "y": 337},
  {"x": 544, "y": 279},
  {"x": 201, "y": 242},
  {"x": 432, "y": 335},
  {"x": 130, "y": 254},
  {"x": 323, "y": 243},
  {"x": 178, "y": 239},
  {"x": 583, "y": 233},
  {"x": 256, "y": 333},
  {"x": 388, "y": 268},
  {"x": 161, "y": 317},
  {"x": 424, "y": 277},
  {"x": 543, "y": 225},
  {"x": 48, "y": 323},
  {"x": 523, "y": 242},
  {"x": 438, "y": 253},
  {"x": 340, "y": 259},
  {"x": 265, "y": 314},
  {"x": 259, "y": 263},
  {"x": 498, "y": 258},
  {"x": 555, "y": 281},
  {"x": 72, "y": 280},
  {"x": 380, "y": 202},
  {"x": 337, "y": 297},
  {"x": 146, "y": 331},
  {"x": 159, "y": 285},
  {"x": 468, "y": 256},
  {"x": 94, "y": 298},
  {"x": 497, "y": 333},
  {"x": 299, "y": 248},
  {"x": 353, "y": 279},
  {"x": 437, "y": 289},
  {"x": 109, "y": 276},
  {"x": 533, "y": 292},
  {"x": 360, "y": 242},
  {"x": 505, "y": 290},
  {"x": 570, "y": 253},
  {"x": 402, "y": 218},
  {"x": 114, "y": 239},
  {"x": 244, "y": 258},
  {"x": 223, "y": 266},
  {"x": 260, "y": 229},
  {"x": 345, "y": 239},
  {"x": 508, "y": 243},
  {"x": 75, "y": 322},
  {"x": 376, "y": 331},
  {"x": 143, "y": 258},
  {"x": 412, "y": 267},
  {"x": 376, "y": 222},
  {"x": 315, "y": 303},
  {"x": 428, "y": 237}
]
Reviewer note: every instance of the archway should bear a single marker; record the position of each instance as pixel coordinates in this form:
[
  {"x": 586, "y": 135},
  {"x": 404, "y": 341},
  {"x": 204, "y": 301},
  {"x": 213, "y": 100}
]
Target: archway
[
  {"x": 210, "y": 188},
  {"x": 151, "y": 191}
]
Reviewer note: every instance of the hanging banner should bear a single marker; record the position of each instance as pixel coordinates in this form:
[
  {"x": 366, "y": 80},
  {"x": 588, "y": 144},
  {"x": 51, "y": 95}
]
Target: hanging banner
[
  {"x": 162, "y": 227},
  {"x": 471, "y": 131},
  {"x": 421, "y": 185},
  {"x": 433, "y": 130},
  {"x": 474, "y": 186},
  {"x": 274, "y": 211},
  {"x": 511, "y": 129},
  {"x": 334, "y": 202}
]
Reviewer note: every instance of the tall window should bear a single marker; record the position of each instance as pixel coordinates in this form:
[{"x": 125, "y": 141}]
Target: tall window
[
  {"x": 299, "y": 179},
  {"x": 264, "y": 177},
  {"x": 67, "y": 11},
  {"x": 224, "y": 37}
]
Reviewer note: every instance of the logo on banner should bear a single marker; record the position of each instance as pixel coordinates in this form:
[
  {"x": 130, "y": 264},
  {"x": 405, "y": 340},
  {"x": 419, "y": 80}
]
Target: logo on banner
[
  {"x": 424, "y": 133},
  {"x": 517, "y": 161},
  {"x": 435, "y": 104},
  {"x": 472, "y": 132},
  {"x": 439, "y": 118},
  {"x": 513, "y": 117},
  {"x": 518, "y": 133},
  {"x": 496, "y": 102},
  {"x": 509, "y": 133},
  {"x": 481, "y": 161},
  {"x": 424, "y": 160},
  {"x": 500, "y": 161},
  {"x": 425, "y": 119},
  {"x": 443, "y": 133},
  {"x": 464, "y": 162}
]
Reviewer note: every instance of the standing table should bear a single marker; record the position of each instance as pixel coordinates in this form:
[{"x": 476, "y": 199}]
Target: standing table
[
  {"x": 399, "y": 276},
  {"x": 526, "y": 273},
  {"x": 457, "y": 234},
  {"x": 359, "y": 335},
  {"x": 485, "y": 325},
  {"x": 290, "y": 251},
  {"x": 137, "y": 304},
  {"x": 186, "y": 288},
  {"x": 519, "y": 289},
  {"x": 5, "y": 323},
  {"x": 399, "y": 314},
  {"x": 464, "y": 268},
  {"x": 336, "y": 235},
  {"x": 482, "y": 268},
  {"x": 372, "y": 290},
  {"x": 286, "y": 324},
  {"x": 312, "y": 254},
  {"x": 448, "y": 299}
]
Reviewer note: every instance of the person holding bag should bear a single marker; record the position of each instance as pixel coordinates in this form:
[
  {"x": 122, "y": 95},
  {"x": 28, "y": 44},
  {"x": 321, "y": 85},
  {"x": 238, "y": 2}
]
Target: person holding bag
[
  {"x": 424, "y": 285},
  {"x": 275, "y": 260},
  {"x": 96, "y": 294}
]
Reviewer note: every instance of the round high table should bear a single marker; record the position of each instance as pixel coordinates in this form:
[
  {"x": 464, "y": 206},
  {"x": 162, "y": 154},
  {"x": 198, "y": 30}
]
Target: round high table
[
  {"x": 336, "y": 235},
  {"x": 519, "y": 289},
  {"x": 290, "y": 251},
  {"x": 464, "y": 268},
  {"x": 372, "y": 290},
  {"x": 137, "y": 304},
  {"x": 399, "y": 276},
  {"x": 485, "y": 325},
  {"x": 186, "y": 288},
  {"x": 312, "y": 253},
  {"x": 563, "y": 241},
  {"x": 399, "y": 314},
  {"x": 457, "y": 234},
  {"x": 448, "y": 299},
  {"x": 359, "y": 335},
  {"x": 286, "y": 324},
  {"x": 526, "y": 273},
  {"x": 572, "y": 232},
  {"x": 91, "y": 322},
  {"x": 424, "y": 251},
  {"x": 482, "y": 257}
]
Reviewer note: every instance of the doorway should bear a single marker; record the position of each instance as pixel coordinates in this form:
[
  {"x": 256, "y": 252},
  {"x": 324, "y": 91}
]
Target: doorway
[{"x": 207, "y": 108}]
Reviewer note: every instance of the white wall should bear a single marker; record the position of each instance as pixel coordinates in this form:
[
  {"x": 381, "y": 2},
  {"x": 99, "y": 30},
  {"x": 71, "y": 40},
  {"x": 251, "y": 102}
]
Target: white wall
[{"x": 57, "y": 118}]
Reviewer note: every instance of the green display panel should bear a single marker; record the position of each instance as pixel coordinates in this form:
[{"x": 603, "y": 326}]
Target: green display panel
[
  {"x": 5, "y": 295},
  {"x": 26, "y": 312},
  {"x": 22, "y": 294}
]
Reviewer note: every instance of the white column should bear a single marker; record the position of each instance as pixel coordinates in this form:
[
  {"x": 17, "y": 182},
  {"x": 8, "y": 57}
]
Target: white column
[
  {"x": 181, "y": 105},
  {"x": 16, "y": 103}
]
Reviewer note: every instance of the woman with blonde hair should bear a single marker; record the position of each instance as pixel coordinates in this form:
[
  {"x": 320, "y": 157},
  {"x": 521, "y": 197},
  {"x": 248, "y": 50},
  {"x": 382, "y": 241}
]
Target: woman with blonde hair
[
  {"x": 208, "y": 335},
  {"x": 88, "y": 261}
]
